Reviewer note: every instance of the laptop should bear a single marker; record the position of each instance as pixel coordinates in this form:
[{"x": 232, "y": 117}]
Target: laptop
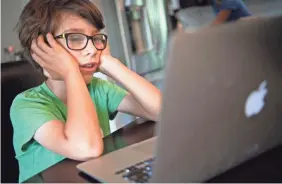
[{"x": 222, "y": 106}]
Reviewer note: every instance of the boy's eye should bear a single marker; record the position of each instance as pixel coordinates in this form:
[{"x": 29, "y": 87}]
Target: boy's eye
[{"x": 76, "y": 38}]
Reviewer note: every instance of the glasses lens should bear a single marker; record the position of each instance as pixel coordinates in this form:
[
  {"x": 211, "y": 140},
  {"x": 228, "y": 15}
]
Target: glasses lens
[
  {"x": 100, "y": 41},
  {"x": 76, "y": 41}
]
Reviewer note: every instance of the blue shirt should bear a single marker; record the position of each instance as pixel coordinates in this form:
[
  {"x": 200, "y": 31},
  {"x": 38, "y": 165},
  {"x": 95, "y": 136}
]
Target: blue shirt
[{"x": 237, "y": 7}]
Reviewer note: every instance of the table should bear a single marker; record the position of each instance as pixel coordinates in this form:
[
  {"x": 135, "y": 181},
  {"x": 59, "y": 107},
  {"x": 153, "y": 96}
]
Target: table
[
  {"x": 134, "y": 132},
  {"x": 264, "y": 168}
]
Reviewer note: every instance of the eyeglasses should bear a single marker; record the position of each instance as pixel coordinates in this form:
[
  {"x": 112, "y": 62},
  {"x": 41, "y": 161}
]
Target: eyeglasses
[{"x": 79, "y": 41}]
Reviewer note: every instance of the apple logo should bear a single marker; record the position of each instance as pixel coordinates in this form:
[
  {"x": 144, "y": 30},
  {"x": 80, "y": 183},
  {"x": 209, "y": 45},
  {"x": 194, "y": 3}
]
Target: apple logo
[{"x": 255, "y": 101}]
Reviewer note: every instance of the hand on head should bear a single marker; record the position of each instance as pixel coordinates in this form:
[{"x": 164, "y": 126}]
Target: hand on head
[{"x": 54, "y": 59}]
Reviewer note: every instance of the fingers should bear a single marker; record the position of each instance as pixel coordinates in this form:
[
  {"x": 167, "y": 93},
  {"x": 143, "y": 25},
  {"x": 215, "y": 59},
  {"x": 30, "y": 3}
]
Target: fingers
[
  {"x": 41, "y": 49},
  {"x": 36, "y": 50},
  {"x": 38, "y": 59},
  {"x": 53, "y": 43},
  {"x": 107, "y": 50},
  {"x": 42, "y": 45}
]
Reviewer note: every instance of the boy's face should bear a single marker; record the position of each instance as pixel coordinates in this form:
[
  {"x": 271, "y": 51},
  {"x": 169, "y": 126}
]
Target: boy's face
[{"x": 71, "y": 23}]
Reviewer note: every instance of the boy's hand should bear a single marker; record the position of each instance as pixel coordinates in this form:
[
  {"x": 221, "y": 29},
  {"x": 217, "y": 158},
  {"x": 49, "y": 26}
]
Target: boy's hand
[
  {"x": 107, "y": 61},
  {"x": 54, "y": 59}
]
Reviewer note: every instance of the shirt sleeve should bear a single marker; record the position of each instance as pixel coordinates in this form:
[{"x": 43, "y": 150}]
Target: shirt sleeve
[
  {"x": 27, "y": 115},
  {"x": 114, "y": 96},
  {"x": 229, "y": 4}
]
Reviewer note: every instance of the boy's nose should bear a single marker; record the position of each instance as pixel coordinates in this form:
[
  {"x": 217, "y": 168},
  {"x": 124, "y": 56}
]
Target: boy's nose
[{"x": 90, "y": 49}]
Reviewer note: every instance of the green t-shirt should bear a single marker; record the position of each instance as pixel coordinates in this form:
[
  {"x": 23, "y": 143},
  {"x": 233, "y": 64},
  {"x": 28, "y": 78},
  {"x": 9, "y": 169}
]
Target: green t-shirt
[{"x": 36, "y": 106}]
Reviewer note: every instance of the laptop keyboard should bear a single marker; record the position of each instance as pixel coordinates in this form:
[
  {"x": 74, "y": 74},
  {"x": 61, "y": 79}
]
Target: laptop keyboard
[{"x": 138, "y": 173}]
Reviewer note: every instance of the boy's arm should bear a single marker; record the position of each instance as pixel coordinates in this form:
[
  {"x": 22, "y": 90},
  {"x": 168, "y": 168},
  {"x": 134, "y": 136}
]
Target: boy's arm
[
  {"x": 225, "y": 8},
  {"x": 80, "y": 137},
  {"x": 221, "y": 17},
  {"x": 143, "y": 100}
]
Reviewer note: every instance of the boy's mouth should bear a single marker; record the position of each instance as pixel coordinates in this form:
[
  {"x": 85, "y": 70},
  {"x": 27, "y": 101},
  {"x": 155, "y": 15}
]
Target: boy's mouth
[{"x": 88, "y": 67}]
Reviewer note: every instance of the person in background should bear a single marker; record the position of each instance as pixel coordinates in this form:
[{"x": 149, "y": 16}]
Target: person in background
[
  {"x": 229, "y": 11},
  {"x": 68, "y": 115}
]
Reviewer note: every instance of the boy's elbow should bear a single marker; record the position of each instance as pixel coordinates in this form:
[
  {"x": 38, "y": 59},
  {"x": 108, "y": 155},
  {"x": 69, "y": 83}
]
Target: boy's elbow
[
  {"x": 88, "y": 151},
  {"x": 157, "y": 110},
  {"x": 92, "y": 152},
  {"x": 156, "y": 117},
  {"x": 155, "y": 114}
]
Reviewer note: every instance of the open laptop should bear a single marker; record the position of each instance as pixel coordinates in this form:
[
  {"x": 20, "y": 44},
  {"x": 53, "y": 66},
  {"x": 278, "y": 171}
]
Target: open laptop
[{"x": 222, "y": 105}]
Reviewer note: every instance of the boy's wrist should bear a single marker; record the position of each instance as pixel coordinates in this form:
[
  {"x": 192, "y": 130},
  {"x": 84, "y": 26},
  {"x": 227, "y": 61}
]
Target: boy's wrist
[
  {"x": 71, "y": 72},
  {"x": 109, "y": 64}
]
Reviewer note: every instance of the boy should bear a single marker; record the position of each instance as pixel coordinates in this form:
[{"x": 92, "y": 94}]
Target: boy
[{"x": 68, "y": 115}]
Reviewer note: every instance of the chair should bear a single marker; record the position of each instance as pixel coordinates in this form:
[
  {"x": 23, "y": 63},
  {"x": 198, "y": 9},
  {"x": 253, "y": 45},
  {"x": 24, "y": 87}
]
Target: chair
[{"x": 16, "y": 77}]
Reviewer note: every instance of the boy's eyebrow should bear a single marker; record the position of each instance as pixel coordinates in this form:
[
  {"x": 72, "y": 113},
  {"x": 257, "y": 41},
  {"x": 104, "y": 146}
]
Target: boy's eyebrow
[{"x": 77, "y": 30}]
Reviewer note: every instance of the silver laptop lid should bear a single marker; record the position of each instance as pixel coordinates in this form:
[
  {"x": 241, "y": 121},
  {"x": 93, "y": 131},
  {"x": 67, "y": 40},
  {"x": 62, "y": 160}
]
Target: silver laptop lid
[{"x": 222, "y": 100}]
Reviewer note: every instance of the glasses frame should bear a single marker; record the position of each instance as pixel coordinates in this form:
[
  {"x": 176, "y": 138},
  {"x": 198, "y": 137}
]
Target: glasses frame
[{"x": 66, "y": 35}]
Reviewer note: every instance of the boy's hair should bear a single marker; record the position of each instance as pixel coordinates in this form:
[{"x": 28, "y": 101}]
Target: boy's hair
[{"x": 43, "y": 16}]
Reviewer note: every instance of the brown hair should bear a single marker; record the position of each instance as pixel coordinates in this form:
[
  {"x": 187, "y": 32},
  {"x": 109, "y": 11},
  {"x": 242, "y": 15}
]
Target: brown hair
[{"x": 43, "y": 16}]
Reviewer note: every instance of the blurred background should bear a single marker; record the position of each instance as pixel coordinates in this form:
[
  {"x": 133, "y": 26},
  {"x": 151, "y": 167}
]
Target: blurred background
[{"x": 138, "y": 31}]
